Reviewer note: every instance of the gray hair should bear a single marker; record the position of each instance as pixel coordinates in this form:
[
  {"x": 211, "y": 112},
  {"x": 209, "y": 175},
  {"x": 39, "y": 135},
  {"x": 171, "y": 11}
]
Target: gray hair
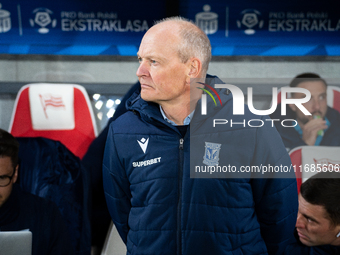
[{"x": 194, "y": 43}]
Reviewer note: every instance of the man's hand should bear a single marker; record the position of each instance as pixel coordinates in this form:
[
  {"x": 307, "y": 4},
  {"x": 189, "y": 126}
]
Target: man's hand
[{"x": 310, "y": 130}]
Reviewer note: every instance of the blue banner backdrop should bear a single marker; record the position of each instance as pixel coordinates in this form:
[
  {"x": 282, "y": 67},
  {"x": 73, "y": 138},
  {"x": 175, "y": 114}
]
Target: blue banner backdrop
[
  {"x": 76, "y": 27},
  {"x": 88, "y": 27},
  {"x": 267, "y": 28}
]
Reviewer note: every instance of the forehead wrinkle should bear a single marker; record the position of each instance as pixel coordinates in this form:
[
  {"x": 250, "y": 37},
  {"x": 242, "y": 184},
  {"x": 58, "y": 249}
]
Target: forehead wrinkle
[
  {"x": 147, "y": 49},
  {"x": 154, "y": 52}
]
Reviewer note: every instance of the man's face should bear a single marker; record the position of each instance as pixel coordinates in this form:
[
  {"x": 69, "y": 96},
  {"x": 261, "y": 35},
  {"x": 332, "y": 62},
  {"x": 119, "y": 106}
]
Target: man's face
[
  {"x": 313, "y": 225},
  {"x": 317, "y": 105},
  {"x": 161, "y": 73},
  {"x": 6, "y": 169}
]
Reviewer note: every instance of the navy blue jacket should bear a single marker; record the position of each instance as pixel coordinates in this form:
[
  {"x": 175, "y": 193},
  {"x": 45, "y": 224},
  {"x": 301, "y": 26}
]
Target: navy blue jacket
[
  {"x": 49, "y": 170},
  {"x": 158, "y": 209},
  {"x": 291, "y": 137},
  {"x": 93, "y": 161}
]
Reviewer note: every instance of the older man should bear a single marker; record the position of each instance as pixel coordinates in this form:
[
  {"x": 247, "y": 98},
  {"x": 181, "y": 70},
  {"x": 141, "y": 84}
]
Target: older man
[{"x": 153, "y": 201}]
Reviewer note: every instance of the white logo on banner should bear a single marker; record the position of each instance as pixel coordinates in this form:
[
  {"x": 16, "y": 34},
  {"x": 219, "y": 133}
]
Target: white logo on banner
[
  {"x": 100, "y": 21},
  {"x": 302, "y": 21},
  {"x": 250, "y": 20},
  {"x": 207, "y": 21},
  {"x": 5, "y": 21},
  {"x": 43, "y": 19}
]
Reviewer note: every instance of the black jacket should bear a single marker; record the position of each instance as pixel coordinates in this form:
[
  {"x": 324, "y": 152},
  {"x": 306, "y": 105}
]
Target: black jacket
[
  {"x": 298, "y": 248},
  {"x": 26, "y": 211}
]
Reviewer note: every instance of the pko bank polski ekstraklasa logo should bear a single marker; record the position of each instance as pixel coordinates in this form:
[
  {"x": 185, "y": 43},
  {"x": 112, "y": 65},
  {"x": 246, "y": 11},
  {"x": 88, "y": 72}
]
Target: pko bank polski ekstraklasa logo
[
  {"x": 42, "y": 18},
  {"x": 250, "y": 20},
  {"x": 238, "y": 104}
]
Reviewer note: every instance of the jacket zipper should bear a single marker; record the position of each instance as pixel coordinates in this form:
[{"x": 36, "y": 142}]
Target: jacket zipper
[{"x": 179, "y": 205}]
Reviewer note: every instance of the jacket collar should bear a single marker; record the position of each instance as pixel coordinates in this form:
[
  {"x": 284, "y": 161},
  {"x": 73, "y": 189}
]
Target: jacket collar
[{"x": 147, "y": 110}]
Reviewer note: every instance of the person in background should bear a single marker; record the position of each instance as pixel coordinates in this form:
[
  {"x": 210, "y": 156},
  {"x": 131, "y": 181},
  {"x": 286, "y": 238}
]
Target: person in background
[
  {"x": 21, "y": 211},
  {"x": 155, "y": 205},
  {"x": 93, "y": 162},
  {"x": 318, "y": 222},
  {"x": 320, "y": 128}
]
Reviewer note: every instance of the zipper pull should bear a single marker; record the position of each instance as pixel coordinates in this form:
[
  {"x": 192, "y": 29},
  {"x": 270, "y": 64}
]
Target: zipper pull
[{"x": 181, "y": 141}]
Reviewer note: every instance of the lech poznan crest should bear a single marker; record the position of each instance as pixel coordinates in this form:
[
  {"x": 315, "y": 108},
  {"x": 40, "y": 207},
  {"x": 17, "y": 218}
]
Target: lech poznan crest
[
  {"x": 250, "y": 20},
  {"x": 42, "y": 18},
  {"x": 211, "y": 154},
  {"x": 207, "y": 20}
]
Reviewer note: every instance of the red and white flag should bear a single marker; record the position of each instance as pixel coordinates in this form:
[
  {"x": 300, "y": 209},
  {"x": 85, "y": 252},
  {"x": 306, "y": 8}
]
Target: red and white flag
[
  {"x": 327, "y": 163},
  {"x": 52, "y": 101}
]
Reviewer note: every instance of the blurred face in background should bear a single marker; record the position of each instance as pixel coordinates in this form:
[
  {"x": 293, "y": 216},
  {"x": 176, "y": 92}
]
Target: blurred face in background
[{"x": 317, "y": 105}]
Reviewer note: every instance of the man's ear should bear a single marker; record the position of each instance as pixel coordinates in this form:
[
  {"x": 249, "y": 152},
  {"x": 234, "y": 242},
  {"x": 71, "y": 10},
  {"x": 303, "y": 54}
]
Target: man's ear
[
  {"x": 194, "y": 68},
  {"x": 337, "y": 228},
  {"x": 15, "y": 177}
]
